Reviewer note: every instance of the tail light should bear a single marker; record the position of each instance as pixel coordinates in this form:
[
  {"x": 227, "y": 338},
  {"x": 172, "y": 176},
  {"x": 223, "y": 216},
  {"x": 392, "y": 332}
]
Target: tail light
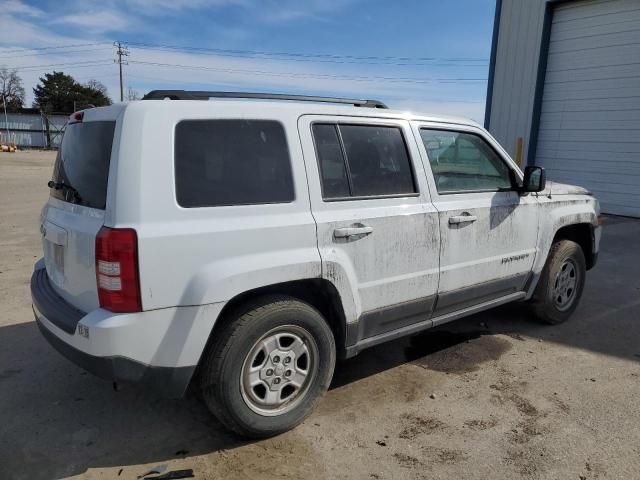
[{"x": 117, "y": 269}]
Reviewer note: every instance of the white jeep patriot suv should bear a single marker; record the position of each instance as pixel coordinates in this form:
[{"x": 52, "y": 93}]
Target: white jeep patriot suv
[{"x": 240, "y": 245}]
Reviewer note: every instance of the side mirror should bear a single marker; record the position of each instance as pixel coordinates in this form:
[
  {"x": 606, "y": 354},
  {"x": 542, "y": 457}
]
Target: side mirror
[{"x": 535, "y": 179}]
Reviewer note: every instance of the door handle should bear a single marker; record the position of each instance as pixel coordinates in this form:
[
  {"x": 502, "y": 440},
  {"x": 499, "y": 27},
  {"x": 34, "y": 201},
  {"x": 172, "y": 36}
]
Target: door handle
[
  {"x": 458, "y": 219},
  {"x": 352, "y": 231}
]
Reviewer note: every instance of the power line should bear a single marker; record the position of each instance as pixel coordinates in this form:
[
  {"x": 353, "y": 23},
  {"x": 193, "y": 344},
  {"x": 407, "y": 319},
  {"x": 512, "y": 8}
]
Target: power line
[
  {"x": 292, "y": 56},
  {"x": 443, "y": 63},
  {"x": 316, "y": 75},
  {"x": 83, "y": 50},
  {"x": 88, "y": 63},
  {"x": 320, "y": 57},
  {"x": 278, "y": 56},
  {"x": 160, "y": 80},
  {"x": 122, "y": 52},
  {"x": 93, "y": 75},
  {"x": 54, "y": 47}
]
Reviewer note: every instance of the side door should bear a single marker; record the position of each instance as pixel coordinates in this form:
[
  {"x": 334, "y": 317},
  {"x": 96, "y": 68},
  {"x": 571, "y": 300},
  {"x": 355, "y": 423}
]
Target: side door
[
  {"x": 378, "y": 232},
  {"x": 488, "y": 229}
]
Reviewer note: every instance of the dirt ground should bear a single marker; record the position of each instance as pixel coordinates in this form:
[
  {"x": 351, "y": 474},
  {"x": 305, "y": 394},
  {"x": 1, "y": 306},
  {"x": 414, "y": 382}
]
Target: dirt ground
[{"x": 494, "y": 396}]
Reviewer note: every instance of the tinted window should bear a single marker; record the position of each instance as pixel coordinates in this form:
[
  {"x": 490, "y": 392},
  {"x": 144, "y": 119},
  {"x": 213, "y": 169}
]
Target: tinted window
[
  {"x": 231, "y": 162},
  {"x": 464, "y": 162},
  {"x": 333, "y": 173},
  {"x": 82, "y": 164},
  {"x": 371, "y": 161},
  {"x": 378, "y": 160}
]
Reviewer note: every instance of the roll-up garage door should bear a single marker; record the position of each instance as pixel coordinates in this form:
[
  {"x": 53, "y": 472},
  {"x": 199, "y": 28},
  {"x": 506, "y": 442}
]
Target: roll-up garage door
[{"x": 589, "y": 130}]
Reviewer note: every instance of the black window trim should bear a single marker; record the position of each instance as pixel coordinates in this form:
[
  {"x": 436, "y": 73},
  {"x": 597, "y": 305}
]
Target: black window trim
[
  {"x": 207, "y": 119},
  {"x": 512, "y": 173},
  {"x": 336, "y": 124}
]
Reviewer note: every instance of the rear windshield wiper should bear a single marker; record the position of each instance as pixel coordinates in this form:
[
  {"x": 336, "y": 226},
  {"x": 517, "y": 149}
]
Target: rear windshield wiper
[{"x": 66, "y": 188}]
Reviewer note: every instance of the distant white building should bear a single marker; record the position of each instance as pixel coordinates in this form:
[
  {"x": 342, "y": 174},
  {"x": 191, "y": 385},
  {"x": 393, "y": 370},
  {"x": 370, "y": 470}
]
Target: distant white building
[{"x": 564, "y": 93}]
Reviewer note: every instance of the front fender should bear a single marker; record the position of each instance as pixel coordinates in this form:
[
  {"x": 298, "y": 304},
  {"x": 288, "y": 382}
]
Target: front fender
[{"x": 554, "y": 215}]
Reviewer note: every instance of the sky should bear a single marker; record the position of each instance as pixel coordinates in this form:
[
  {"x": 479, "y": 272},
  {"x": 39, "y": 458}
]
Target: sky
[{"x": 427, "y": 56}]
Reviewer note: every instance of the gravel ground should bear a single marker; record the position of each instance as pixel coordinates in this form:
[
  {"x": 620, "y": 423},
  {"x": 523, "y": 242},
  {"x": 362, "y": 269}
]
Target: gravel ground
[{"x": 494, "y": 396}]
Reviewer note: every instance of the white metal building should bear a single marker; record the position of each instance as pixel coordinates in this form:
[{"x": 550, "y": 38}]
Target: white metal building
[
  {"x": 30, "y": 128},
  {"x": 564, "y": 93}
]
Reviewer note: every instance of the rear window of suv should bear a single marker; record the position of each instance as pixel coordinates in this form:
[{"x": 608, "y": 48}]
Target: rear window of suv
[
  {"x": 232, "y": 162},
  {"x": 81, "y": 171}
]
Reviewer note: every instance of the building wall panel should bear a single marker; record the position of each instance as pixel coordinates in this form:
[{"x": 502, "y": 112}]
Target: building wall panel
[
  {"x": 583, "y": 118},
  {"x": 520, "y": 33},
  {"x": 589, "y": 129}
]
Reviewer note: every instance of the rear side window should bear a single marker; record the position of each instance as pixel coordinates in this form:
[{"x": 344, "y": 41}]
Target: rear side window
[
  {"x": 81, "y": 171},
  {"x": 362, "y": 161},
  {"x": 231, "y": 162}
]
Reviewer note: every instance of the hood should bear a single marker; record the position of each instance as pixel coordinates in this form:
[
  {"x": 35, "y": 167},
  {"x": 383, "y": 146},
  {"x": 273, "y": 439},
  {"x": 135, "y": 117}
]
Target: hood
[{"x": 556, "y": 188}]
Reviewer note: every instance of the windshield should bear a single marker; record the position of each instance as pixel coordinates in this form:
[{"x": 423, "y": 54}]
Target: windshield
[{"x": 82, "y": 165}]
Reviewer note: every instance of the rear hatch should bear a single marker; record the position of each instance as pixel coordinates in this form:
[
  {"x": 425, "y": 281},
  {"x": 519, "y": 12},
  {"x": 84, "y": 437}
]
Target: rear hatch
[{"x": 76, "y": 208}]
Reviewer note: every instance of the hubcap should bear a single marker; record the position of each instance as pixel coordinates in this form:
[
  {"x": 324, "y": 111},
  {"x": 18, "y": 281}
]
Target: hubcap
[
  {"x": 278, "y": 370},
  {"x": 564, "y": 289}
]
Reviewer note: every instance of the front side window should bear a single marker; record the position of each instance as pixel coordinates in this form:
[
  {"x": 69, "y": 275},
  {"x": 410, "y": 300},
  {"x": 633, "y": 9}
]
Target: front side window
[
  {"x": 464, "y": 162},
  {"x": 231, "y": 162},
  {"x": 362, "y": 161}
]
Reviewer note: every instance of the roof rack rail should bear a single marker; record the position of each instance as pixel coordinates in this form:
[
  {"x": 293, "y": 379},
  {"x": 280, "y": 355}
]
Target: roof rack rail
[{"x": 204, "y": 95}]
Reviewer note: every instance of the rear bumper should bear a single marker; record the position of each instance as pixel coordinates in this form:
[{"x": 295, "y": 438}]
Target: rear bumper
[
  {"x": 159, "y": 349},
  {"x": 168, "y": 381},
  {"x": 53, "y": 306}
]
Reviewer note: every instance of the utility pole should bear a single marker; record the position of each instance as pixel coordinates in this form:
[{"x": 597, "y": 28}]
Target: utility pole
[
  {"x": 4, "y": 104},
  {"x": 6, "y": 119},
  {"x": 122, "y": 51}
]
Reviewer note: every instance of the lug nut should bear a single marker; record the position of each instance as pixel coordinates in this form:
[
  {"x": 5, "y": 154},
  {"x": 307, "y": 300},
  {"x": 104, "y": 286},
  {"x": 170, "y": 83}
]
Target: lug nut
[
  {"x": 287, "y": 360},
  {"x": 269, "y": 372},
  {"x": 276, "y": 381},
  {"x": 287, "y": 373},
  {"x": 276, "y": 359}
]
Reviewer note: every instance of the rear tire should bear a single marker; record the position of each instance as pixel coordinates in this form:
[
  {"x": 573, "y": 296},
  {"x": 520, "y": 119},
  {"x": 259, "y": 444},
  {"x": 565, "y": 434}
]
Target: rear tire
[
  {"x": 268, "y": 366},
  {"x": 561, "y": 283}
]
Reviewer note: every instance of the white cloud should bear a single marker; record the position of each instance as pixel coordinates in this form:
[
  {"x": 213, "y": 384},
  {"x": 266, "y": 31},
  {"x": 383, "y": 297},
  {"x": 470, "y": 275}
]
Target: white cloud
[
  {"x": 98, "y": 22},
  {"x": 158, "y": 7},
  {"x": 21, "y": 33},
  {"x": 277, "y": 11},
  {"x": 11, "y": 7},
  {"x": 290, "y": 10}
]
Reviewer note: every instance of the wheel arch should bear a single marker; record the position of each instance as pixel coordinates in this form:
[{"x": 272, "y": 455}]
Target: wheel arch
[
  {"x": 583, "y": 235},
  {"x": 318, "y": 292},
  {"x": 564, "y": 221}
]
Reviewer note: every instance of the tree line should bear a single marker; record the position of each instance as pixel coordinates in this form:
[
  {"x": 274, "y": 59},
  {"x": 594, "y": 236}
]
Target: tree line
[{"x": 56, "y": 92}]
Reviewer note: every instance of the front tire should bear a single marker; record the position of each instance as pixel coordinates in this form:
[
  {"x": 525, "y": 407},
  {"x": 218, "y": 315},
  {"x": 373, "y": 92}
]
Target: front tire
[
  {"x": 268, "y": 366},
  {"x": 561, "y": 283}
]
